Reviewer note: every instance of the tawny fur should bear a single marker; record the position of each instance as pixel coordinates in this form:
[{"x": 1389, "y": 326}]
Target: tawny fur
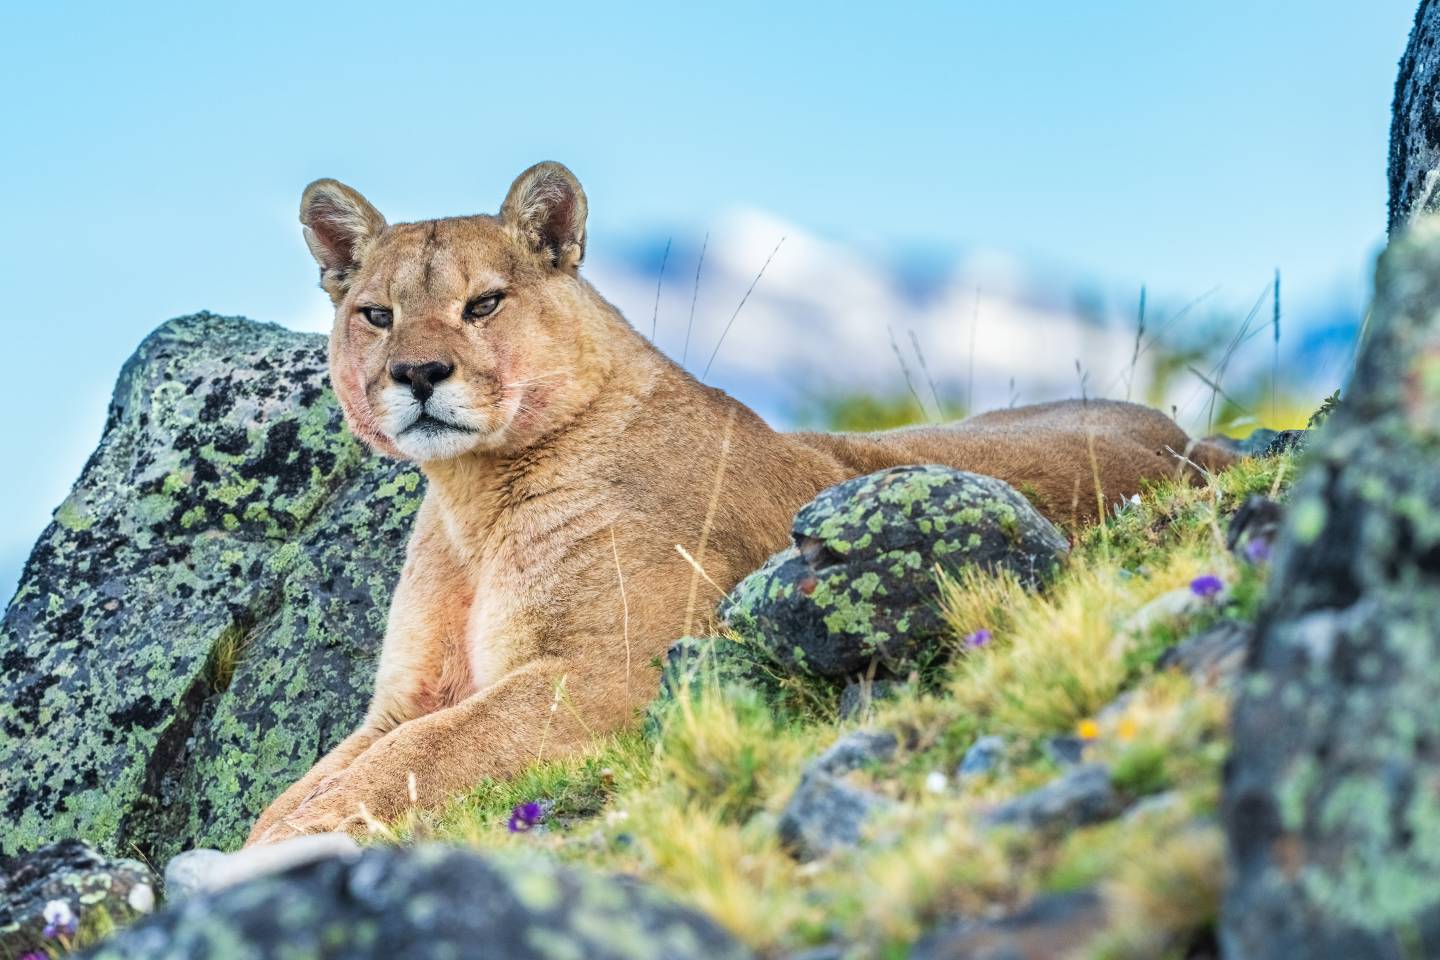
[{"x": 592, "y": 457}]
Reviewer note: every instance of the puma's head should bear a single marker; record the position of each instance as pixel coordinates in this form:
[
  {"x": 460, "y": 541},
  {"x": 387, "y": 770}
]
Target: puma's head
[{"x": 462, "y": 334}]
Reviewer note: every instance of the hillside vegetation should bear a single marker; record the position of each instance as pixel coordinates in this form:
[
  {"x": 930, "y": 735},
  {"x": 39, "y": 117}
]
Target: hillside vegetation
[{"x": 694, "y": 808}]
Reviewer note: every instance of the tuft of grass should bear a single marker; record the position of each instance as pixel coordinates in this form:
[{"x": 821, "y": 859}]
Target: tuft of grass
[
  {"x": 225, "y": 656},
  {"x": 725, "y": 749},
  {"x": 1056, "y": 657}
]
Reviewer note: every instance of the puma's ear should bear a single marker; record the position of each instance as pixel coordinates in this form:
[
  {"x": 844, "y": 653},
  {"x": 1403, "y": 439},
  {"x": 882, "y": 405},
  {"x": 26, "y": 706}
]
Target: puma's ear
[
  {"x": 546, "y": 207},
  {"x": 339, "y": 226}
]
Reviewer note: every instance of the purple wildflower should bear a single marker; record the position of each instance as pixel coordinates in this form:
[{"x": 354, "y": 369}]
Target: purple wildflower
[
  {"x": 980, "y": 638},
  {"x": 33, "y": 955},
  {"x": 1207, "y": 586},
  {"x": 60, "y": 920},
  {"x": 526, "y": 816},
  {"x": 1257, "y": 550}
]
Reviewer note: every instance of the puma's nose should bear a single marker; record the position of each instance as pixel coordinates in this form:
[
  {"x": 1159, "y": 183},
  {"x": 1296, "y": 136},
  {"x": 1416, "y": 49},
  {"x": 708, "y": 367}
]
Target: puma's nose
[{"x": 421, "y": 377}]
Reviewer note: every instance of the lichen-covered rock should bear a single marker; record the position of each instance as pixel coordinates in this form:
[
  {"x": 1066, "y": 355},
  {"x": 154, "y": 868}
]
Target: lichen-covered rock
[
  {"x": 97, "y": 893},
  {"x": 694, "y": 663},
  {"x": 1082, "y": 795},
  {"x": 826, "y": 813},
  {"x": 860, "y": 582},
  {"x": 1415, "y": 123},
  {"x": 1332, "y": 792},
  {"x": 200, "y": 621},
  {"x": 427, "y": 902},
  {"x": 721, "y": 661}
]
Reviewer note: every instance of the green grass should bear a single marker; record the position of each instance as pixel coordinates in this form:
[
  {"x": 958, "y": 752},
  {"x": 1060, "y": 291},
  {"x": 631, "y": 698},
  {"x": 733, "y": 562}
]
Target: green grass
[
  {"x": 694, "y": 811},
  {"x": 225, "y": 656}
]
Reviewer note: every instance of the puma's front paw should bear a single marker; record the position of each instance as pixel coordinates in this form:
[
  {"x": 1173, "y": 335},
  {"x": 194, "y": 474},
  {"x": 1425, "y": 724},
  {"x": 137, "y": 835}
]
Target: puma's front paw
[
  {"x": 331, "y": 813},
  {"x": 333, "y": 806}
]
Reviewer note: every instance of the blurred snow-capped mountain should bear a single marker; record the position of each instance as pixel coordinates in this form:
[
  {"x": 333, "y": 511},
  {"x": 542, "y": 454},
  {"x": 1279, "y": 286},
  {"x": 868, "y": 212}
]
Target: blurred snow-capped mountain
[{"x": 824, "y": 319}]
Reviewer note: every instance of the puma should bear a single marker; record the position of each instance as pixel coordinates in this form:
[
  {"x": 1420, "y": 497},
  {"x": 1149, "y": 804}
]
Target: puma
[{"x": 566, "y": 458}]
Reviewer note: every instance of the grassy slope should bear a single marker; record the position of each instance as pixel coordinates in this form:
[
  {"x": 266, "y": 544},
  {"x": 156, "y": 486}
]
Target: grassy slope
[{"x": 695, "y": 811}]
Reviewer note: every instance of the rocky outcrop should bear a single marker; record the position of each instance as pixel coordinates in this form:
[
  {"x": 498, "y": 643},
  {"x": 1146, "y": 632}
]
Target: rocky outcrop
[
  {"x": 1332, "y": 795},
  {"x": 860, "y": 582},
  {"x": 63, "y": 888},
  {"x": 427, "y": 902},
  {"x": 1415, "y": 123},
  {"x": 200, "y": 621}
]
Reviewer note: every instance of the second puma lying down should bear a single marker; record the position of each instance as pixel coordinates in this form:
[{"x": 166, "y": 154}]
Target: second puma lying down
[{"x": 565, "y": 459}]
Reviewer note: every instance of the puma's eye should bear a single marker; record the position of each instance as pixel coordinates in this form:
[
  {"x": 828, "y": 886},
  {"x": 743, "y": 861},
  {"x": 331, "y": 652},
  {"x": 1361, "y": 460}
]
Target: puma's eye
[
  {"x": 482, "y": 306},
  {"x": 378, "y": 316}
]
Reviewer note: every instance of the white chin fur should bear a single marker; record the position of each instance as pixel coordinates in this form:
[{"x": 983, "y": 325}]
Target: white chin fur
[
  {"x": 436, "y": 446},
  {"x": 399, "y": 412}
]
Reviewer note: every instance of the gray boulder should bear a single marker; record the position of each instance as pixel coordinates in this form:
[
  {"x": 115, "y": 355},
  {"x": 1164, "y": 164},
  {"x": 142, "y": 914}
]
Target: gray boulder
[
  {"x": 1213, "y": 656},
  {"x": 204, "y": 870},
  {"x": 1049, "y": 927},
  {"x": 1064, "y": 751},
  {"x": 422, "y": 903},
  {"x": 827, "y": 813},
  {"x": 200, "y": 622},
  {"x": 1082, "y": 795},
  {"x": 96, "y": 892},
  {"x": 1332, "y": 791},
  {"x": 860, "y": 583},
  {"x": 983, "y": 757}
]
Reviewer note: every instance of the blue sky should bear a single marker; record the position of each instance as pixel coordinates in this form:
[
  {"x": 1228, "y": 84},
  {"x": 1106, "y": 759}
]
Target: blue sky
[{"x": 154, "y": 153}]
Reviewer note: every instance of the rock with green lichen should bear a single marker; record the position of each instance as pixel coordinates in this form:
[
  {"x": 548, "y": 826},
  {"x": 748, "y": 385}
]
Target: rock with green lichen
[
  {"x": 428, "y": 902},
  {"x": 1332, "y": 794},
  {"x": 98, "y": 894},
  {"x": 1414, "y": 167},
  {"x": 200, "y": 622},
  {"x": 695, "y": 663},
  {"x": 860, "y": 583}
]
